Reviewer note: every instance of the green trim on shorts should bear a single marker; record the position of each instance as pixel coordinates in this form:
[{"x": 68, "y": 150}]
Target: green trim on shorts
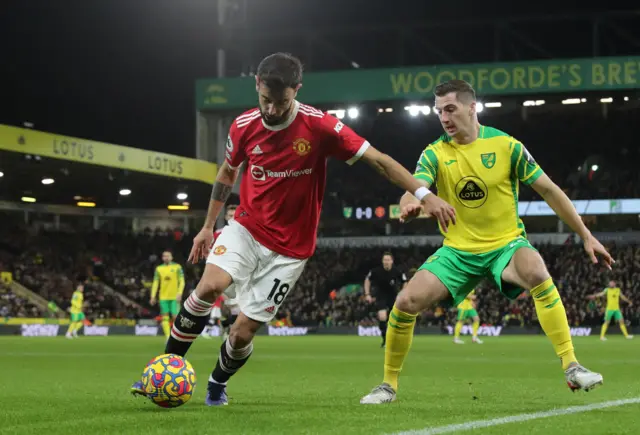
[
  {"x": 461, "y": 271},
  {"x": 467, "y": 314},
  {"x": 169, "y": 306},
  {"x": 77, "y": 317},
  {"x": 613, "y": 314}
]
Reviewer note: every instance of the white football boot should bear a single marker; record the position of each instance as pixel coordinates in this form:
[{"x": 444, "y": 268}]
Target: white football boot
[
  {"x": 383, "y": 393},
  {"x": 580, "y": 378}
]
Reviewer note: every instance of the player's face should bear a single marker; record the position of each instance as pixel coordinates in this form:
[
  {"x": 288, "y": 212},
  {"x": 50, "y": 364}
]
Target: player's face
[
  {"x": 274, "y": 105},
  {"x": 456, "y": 117},
  {"x": 229, "y": 214},
  {"x": 167, "y": 257},
  {"x": 387, "y": 262},
  {"x": 612, "y": 284}
]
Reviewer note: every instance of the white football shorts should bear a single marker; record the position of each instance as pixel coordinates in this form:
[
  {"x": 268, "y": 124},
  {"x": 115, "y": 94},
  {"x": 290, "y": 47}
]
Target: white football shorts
[{"x": 262, "y": 278}]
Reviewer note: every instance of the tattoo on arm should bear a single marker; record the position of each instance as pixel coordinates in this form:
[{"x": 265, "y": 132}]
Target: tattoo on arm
[{"x": 221, "y": 191}]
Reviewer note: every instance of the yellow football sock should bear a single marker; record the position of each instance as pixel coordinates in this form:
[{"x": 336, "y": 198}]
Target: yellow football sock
[
  {"x": 399, "y": 338},
  {"x": 77, "y": 327},
  {"x": 457, "y": 330},
  {"x": 603, "y": 331},
  {"x": 72, "y": 326},
  {"x": 476, "y": 326},
  {"x": 553, "y": 319},
  {"x": 166, "y": 326},
  {"x": 623, "y": 328}
]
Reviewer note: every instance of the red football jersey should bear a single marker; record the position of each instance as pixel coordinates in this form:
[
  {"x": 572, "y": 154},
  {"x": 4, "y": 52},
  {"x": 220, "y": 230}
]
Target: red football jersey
[{"x": 285, "y": 174}]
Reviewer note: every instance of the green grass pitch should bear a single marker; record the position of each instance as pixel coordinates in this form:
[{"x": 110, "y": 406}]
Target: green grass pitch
[{"x": 296, "y": 385}]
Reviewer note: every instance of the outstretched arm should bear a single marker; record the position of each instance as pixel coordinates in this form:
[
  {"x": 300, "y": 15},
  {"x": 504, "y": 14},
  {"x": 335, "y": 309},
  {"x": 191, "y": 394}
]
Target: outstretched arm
[
  {"x": 398, "y": 175},
  {"x": 563, "y": 207}
]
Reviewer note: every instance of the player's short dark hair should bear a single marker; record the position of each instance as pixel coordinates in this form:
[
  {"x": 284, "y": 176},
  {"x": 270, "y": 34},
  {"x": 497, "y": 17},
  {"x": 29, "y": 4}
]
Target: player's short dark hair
[
  {"x": 279, "y": 71},
  {"x": 463, "y": 90},
  {"x": 385, "y": 253},
  {"x": 232, "y": 207}
]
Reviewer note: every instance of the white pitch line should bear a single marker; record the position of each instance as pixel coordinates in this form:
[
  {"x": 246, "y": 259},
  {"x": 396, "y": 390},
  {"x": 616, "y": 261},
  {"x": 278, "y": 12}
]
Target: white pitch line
[{"x": 477, "y": 424}]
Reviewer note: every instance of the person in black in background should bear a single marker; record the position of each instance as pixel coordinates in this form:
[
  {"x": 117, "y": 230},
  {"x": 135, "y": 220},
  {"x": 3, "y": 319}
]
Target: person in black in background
[{"x": 386, "y": 280}]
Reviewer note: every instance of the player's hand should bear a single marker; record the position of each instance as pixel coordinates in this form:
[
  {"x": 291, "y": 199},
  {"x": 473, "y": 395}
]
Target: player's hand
[
  {"x": 592, "y": 246},
  {"x": 591, "y": 297},
  {"x": 410, "y": 212},
  {"x": 201, "y": 245},
  {"x": 368, "y": 298},
  {"x": 152, "y": 302},
  {"x": 442, "y": 210}
]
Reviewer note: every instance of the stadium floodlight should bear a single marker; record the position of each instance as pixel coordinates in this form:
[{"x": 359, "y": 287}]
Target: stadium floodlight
[
  {"x": 583, "y": 100},
  {"x": 425, "y": 110},
  {"x": 594, "y": 168},
  {"x": 626, "y": 98},
  {"x": 571, "y": 101},
  {"x": 125, "y": 192},
  {"x": 77, "y": 198},
  {"x": 28, "y": 199},
  {"x": 353, "y": 112},
  {"x": 389, "y": 109},
  {"x": 182, "y": 196},
  {"x": 493, "y": 104},
  {"x": 606, "y": 100},
  {"x": 479, "y": 107},
  {"x": 1, "y": 174},
  {"x": 178, "y": 207},
  {"x": 48, "y": 181},
  {"x": 413, "y": 110}
]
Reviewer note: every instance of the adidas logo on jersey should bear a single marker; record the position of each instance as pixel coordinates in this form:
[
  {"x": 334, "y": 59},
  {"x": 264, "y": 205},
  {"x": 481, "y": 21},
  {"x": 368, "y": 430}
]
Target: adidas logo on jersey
[
  {"x": 257, "y": 150},
  {"x": 270, "y": 309}
]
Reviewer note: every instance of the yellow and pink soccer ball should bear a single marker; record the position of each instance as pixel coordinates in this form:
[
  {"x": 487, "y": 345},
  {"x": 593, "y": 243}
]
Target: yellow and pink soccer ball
[{"x": 169, "y": 380}]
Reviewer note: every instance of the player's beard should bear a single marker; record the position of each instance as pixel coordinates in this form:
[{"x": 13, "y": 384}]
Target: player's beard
[{"x": 275, "y": 121}]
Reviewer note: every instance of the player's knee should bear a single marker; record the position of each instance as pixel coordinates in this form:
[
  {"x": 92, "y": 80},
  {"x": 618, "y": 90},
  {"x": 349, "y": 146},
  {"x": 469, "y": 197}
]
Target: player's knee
[
  {"x": 240, "y": 336},
  {"x": 242, "y": 331},
  {"x": 535, "y": 276},
  {"x": 409, "y": 302},
  {"x": 213, "y": 283}
]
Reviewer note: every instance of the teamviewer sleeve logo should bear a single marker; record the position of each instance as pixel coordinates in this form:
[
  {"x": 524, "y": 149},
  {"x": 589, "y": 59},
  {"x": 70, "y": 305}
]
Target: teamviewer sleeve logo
[{"x": 257, "y": 172}]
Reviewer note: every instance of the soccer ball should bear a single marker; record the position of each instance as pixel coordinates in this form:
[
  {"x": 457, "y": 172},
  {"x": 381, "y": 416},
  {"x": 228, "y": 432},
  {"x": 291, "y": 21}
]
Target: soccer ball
[{"x": 169, "y": 380}]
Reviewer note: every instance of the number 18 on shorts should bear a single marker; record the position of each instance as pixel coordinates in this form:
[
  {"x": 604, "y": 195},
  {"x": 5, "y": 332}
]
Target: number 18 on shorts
[{"x": 263, "y": 278}]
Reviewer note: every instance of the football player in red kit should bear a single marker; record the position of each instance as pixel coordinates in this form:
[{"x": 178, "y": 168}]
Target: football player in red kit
[{"x": 284, "y": 146}]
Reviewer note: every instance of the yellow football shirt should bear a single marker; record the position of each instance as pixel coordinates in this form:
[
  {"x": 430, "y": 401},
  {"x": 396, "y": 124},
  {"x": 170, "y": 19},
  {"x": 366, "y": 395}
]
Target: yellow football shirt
[
  {"x": 77, "y": 300},
  {"x": 467, "y": 303},
  {"x": 613, "y": 298},
  {"x": 481, "y": 181},
  {"x": 169, "y": 279}
]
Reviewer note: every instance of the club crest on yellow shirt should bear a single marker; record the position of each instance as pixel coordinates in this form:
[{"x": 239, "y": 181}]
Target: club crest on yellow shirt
[{"x": 488, "y": 160}]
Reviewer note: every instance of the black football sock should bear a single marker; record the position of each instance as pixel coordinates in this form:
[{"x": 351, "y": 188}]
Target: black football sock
[
  {"x": 383, "y": 330},
  {"x": 189, "y": 324},
  {"x": 229, "y": 362}
]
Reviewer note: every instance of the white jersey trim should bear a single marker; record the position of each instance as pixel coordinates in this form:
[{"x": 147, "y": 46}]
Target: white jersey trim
[
  {"x": 359, "y": 154},
  {"x": 246, "y": 121},
  {"x": 288, "y": 122}
]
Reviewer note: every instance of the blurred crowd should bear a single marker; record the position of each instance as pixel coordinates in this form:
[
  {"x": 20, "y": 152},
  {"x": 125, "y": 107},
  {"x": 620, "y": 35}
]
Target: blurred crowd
[{"x": 328, "y": 293}]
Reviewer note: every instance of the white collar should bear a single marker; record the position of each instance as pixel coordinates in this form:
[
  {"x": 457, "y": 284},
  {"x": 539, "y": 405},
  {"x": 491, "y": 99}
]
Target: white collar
[{"x": 288, "y": 122}]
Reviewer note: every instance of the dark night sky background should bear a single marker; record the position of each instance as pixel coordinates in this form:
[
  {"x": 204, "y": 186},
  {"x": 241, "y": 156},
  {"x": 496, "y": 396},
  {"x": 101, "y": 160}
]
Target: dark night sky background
[{"x": 124, "y": 71}]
